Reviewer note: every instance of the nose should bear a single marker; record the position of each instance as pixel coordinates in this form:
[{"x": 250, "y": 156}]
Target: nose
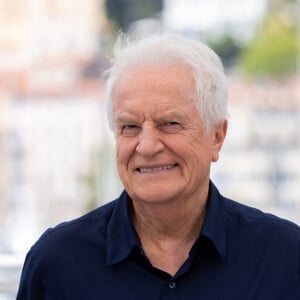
[{"x": 149, "y": 142}]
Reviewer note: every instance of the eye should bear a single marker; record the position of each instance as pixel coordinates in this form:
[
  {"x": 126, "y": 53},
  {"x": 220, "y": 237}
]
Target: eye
[
  {"x": 129, "y": 130},
  {"x": 171, "y": 123},
  {"x": 130, "y": 126},
  {"x": 171, "y": 126}
]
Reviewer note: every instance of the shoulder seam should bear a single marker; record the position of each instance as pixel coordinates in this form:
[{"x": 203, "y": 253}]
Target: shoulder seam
[
  {"x": 263, "y": 215},
  {"x": 66, "y": 224}
]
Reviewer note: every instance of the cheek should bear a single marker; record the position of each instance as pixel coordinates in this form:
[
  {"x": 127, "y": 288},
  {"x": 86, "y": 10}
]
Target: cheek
[
  {"x": 124, "y": 151},
  {"x": 120, "y": 153},
  {"x": 200, "y": 150}
]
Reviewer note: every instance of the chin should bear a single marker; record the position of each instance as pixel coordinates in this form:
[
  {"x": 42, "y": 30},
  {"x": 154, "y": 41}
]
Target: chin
[{"x": 156, "y": 196}]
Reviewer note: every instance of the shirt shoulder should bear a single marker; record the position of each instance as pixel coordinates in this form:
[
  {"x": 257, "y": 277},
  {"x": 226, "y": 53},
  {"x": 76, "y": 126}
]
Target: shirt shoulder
[
  {"x": 255, "y": 220},
  {"x": 91, "y": 226},
  {"x": 63, "y": 252}
]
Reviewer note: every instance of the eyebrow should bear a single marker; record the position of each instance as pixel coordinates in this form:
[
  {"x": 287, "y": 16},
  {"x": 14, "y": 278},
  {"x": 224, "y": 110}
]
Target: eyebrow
[
  {"x": 162, "y": 115},
  {"x": 125, "y": 118}
]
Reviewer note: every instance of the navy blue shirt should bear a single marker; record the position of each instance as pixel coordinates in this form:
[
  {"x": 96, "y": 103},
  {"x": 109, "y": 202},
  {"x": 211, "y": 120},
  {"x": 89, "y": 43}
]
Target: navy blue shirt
[{"x": 241, "y": 253}]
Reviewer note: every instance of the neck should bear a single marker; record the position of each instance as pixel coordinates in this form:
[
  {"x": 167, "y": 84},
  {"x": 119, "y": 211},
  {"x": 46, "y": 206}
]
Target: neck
[
  {"x": 170, "y": 222},
  {"x": 168, "y": 231}
]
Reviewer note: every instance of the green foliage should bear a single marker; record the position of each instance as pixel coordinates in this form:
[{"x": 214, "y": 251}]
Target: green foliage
[
  {"x": 115, "y": 10},
  {"x": 227, "y": 48},
  {"x": 123, "y": 12},
  {"x": 274, "y": 51}
]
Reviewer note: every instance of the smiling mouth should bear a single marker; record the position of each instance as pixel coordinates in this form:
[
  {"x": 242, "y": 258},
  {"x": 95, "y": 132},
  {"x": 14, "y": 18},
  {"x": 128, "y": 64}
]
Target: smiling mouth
[{"x": 156, "y": 169}]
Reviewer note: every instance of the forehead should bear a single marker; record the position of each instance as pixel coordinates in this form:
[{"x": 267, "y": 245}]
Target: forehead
[
  {"x": 158, "y": 76},
  {"x": 150, "y": 81},
  {"x": 164, "y": 92}
]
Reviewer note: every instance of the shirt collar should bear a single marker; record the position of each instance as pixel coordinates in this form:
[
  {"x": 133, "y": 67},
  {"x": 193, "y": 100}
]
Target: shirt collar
[
  {"x": 122, "y": 238},
  {"x": 214, "y": 226}
]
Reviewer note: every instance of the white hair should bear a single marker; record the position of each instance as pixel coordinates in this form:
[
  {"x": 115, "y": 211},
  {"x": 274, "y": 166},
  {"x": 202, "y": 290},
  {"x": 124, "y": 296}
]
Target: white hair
[{"x": 207, "y": 69}]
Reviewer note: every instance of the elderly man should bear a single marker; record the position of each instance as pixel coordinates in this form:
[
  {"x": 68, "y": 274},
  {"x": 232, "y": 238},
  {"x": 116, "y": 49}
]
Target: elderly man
[{"x": 170, "y": 235}]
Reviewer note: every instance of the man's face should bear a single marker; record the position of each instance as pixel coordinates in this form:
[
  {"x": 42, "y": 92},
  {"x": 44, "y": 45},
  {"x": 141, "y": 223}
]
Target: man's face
[{"x": 163, "y": 151}]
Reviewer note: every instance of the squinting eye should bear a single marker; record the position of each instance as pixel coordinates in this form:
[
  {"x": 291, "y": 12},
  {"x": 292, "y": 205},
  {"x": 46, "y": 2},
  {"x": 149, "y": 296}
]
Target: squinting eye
[
  {"x": 129, "y": 130},
  {"x": 170, "y": 127},
  {"x": 171, "y": 123},
  {"x": 129, "y": 127}
]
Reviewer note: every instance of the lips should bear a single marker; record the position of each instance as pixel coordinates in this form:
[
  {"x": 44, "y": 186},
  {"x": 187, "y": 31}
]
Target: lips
[{"x": 156, "y": 168}]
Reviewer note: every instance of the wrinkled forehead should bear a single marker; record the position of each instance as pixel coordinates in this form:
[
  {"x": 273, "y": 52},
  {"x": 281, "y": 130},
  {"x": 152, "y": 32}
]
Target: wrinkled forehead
[
  {"x": 170, "y": 75},
  {"x": 149, "y": 89}
]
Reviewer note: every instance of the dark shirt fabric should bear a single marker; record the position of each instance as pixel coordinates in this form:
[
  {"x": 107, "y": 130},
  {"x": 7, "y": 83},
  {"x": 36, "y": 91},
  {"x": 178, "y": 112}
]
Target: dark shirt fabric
[{"x": 241, "y": 253}]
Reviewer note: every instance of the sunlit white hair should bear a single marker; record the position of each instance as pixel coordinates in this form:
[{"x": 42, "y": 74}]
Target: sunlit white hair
[{"x": 207, "y": 69}]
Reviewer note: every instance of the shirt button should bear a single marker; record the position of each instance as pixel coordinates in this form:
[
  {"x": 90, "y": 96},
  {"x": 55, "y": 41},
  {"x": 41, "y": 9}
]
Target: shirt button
[{"x": 172, "y": 285}]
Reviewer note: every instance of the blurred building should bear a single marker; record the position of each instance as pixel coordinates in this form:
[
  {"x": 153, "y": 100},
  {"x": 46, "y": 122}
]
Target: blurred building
[
  {"x": 51, "y": 58},
  {"x": 260, "y": 159},
  {"x": 200, "y": 18},
  {"x": 46, "y": 44}
]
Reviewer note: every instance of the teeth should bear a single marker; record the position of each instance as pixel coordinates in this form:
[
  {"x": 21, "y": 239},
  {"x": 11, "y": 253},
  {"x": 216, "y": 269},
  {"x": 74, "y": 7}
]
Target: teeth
[{"x": 149, "y": 170}]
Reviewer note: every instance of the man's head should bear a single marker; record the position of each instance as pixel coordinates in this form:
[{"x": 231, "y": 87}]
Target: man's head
[
  {"x": 164, "y": 148},
  {"x": 205, "y": 65}
]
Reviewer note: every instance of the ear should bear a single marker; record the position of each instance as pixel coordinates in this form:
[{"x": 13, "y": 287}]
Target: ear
[{"x": 219, "y": 137}]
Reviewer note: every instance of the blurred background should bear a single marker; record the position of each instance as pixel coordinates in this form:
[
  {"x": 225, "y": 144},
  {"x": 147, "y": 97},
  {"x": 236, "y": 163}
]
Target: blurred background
[{"x": 56, "y": 152}]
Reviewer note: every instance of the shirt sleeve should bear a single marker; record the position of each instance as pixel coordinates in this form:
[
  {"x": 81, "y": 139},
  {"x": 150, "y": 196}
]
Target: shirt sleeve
[{"x": 33, "y": 279}]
